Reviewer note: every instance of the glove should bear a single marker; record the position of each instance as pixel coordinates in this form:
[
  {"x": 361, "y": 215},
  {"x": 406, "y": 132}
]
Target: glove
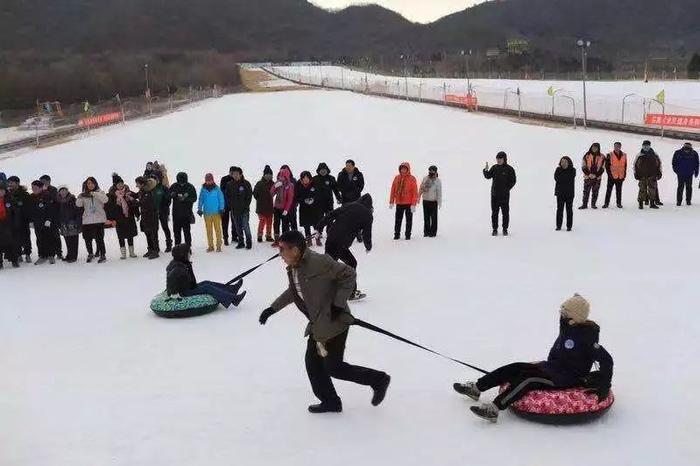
[
  {"x": 601, "y": 392},
  {"x": 47, "y": 224},
  {"x": 266, "y": 314},
  {"x": 199, "y": 212},
  {"x": 596, "y": 385},
  {"x": 278, "y": 184},
  {"x": 336, "y": 311},
  {"x": 391, "y": 206},
  {"x": 413, "y": 209},
  {"x": 284, "y": 214}
]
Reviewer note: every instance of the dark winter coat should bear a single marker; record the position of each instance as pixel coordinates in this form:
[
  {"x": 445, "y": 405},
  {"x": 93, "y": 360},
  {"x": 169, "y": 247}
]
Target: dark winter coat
[
  {"x": 44, "y": 208},
  {"x": 70, "y": 217},
  {"x": 350, "y": 186},
  {"x": 147, "y": 206},
  {"x": 647, "y": 165},
  {"x": 22, "y": 202},
  {"x": 263, "y": 197},
  {"x": 53, "y": 192},
  {"x": 503, "y": 177},
  {"x": 574, "y": 352},
  {"x": 686, "y": 164},
  {"x": 565, "y": 181},
  {"x": 309, "y": 206},
  {"x": 8, "y": 219},
  {"x": 184, "y": 195},
  {"x": 125, "y": 224},
  {"x": 223, "y": 185},
  {"x": 239, "y": 195},
  {"x": 324, "y": 283},
  {"x": 327, "y": 189},
  {"x": 161, "y": 198},
  {"x": 179, "y": 277},
  {"x": 345, "y": 222}
]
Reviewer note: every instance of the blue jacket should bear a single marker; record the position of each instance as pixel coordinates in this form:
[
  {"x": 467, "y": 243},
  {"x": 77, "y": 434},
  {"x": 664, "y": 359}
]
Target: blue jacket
[
  {"x": 211, "y": 200},
  {"x": 685, "y": 164},
  {"x": 573, "y": 354}
]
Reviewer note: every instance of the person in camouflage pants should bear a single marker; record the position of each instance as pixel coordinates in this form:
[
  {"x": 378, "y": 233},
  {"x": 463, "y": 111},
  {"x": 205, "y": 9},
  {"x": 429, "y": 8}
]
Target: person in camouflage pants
[{"x": 647, "y": 170}]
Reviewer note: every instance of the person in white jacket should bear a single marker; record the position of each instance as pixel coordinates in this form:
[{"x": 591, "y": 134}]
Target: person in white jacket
[
  {"x": 431, "y": 192},
  {"x": 93, "y": 201}
]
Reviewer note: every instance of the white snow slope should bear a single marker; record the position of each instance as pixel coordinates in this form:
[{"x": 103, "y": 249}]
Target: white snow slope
[{"x": 91, "y": 377}]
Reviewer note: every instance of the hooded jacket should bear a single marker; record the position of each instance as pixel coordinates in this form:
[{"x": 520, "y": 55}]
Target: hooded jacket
[
  {"x": 93, "y": 205},
  {"x": 22, "y": 202},
  {"x": 44, "y": 208},
  {"x": 685, "y": 164},
  {"x": 263, "y": 197},
  {"x": 179, "y": 274},
  {"x": 345, "y": 222},
  {"x": 565, "y": 181},
  {"x": 184, "y": 195},
  {"x": 503, "y": 177},
  {"x": 327, "y": 188},
  {"x": 239, "y": 195},
  {"x": 283, "y": 194},
  {"x": 147, "y": 206},
  {"x": 350, "y": 185},
  {"x": 404, "y": 189},
  {"x": 211, "y": 200}
]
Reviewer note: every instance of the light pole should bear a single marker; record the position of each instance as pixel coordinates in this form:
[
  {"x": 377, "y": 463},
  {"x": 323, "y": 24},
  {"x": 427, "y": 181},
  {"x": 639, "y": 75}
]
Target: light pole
[
  {"x": 404, "y": 57},
  {"x": 466, "y": 54},
  {"x": 584, "y": 44},
  {"x": 148, "y": 89}
]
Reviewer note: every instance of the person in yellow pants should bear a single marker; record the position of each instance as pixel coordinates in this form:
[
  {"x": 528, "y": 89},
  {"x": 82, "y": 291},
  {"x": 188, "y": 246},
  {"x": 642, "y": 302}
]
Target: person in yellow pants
[{"x": 211, "y": 205}]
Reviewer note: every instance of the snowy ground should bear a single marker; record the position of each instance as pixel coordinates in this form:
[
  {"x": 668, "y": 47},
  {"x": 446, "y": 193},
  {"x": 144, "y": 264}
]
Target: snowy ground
[
  {"x": 92, "y": 377},
  {"x": 604, "y": 98}
]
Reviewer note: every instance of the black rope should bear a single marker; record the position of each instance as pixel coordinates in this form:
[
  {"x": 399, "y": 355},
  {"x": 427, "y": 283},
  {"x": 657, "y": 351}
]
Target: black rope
[
  {"x": 374, "y": 328},
  {"x": 249, "y": 271}
]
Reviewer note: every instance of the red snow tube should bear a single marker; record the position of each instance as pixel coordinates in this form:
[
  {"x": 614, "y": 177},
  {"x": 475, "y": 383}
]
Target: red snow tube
[{"x": 565, "y": 406}]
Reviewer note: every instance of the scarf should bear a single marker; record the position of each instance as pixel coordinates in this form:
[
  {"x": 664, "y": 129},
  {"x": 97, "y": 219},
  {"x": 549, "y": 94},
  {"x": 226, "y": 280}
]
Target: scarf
[{"x": 123, "y": 197}]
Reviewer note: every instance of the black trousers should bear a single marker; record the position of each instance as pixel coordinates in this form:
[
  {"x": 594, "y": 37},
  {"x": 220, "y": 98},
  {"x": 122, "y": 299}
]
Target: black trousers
[
  {"x": 152, "y": 241},
  {"x": 8, "y": 249},
  {"x": 618, "y": 191},
  {"x": 430, "y": 218},
  {"x": 342, "y": 254},
  {"x": 227, "y": 218},
  {"x": 46, "y": 242},
  {"x": 685, "y": 182},
  {"x": 588, "y": 186},
  {"x": 568, "y": 203},
  {"x": 96, "y": 232},
  {"x": 164, "y": 216},
  {"x": 180, "y": 228},
  {"x": 502, "y": 204},
  {"x": 23, "y": 239},
  {"x": 124, "y": 241},
  {"x": 402, "y": 209},
  {"x": 320, "y": 369},
  {"x": 522, "y": 377},
  {"x": 71, "y": 247},
  {"x": 281, "y": 221},
  {"x": 57, "y": 242}
]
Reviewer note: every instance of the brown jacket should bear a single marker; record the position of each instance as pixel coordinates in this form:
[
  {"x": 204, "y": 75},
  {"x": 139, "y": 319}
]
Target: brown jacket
[{"x": 324, "y": 283}]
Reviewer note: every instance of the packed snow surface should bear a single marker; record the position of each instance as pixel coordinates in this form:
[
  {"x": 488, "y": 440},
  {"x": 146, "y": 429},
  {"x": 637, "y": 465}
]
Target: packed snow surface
[{"x": 92, "y": 377}]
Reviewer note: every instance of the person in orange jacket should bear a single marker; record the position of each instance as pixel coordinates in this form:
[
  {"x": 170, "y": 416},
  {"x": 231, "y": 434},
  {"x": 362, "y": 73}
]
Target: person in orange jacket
[{"x": 404, "y": 194}]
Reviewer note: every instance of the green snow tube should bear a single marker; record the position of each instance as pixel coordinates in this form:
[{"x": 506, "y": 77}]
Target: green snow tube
[{"x": 191, "y": 306}]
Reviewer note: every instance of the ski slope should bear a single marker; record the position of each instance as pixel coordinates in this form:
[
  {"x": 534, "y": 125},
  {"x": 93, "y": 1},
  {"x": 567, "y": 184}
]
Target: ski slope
[{"x": 91, "y": 377}]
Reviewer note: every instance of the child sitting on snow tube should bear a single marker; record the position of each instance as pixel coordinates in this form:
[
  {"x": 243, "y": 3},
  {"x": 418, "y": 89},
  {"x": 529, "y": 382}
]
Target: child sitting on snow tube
[
  {"x": 569, "y": 363},
  {"x": 181, "y": 281}
]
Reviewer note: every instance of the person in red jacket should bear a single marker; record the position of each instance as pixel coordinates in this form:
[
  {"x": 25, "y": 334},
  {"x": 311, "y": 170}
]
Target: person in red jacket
[
  {"x": 404, "y": 195},
  {"x": 593, "y": 168},
  {"x": 616, "y": 167},
  {"x": 283, "y": 201}
]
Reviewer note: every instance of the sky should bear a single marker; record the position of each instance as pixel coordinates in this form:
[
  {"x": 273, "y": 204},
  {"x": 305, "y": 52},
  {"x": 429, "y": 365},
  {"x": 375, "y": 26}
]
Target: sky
[{"x": 423, "y": 11}]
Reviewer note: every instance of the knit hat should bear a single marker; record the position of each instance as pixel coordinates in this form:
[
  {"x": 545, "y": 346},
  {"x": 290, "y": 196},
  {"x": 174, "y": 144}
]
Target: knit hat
[
  {"x": 208, "y": 178},
  {"x": 576, "y": 308},
  {"x": 116, "y": 179},
  {"x": 267, "y": 170}
]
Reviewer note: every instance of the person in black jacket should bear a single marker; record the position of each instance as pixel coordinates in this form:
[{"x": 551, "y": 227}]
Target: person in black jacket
[
  {"x": 344, "y": 224},
  {"x": 647, "y": 170},
  {"x": 149, "y": 214},
  {"x": 226, "y": 216},
  {"x": 46, "y": 181},
  {"x": 22, "y": 202},
  {"x": 8, "y": 248},
  {"x": 327, "y": 189},
  {"x": 180, "y": 280},
  {"x": 503, "y": 176},
  {"x": 568, "y": 365},
  {"x": 264, "y": 205},
  {"x": 308, "y": 197},
  {"x": 239, "y": 195},
  {"x": 122, "y": 210},
  {"x": 44, "y": 216},
  {"x": 70, "y": 220},
  {"x": 565, "y": 190},
  {"x": 162, "y": 202},
  {"x": 184, "y": 195},
  {"x": 351, "y": 183}
]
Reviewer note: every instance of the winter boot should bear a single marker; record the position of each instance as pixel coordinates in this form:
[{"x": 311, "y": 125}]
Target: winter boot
[
  {"x": 318, "y": 241},
  {"x": 123, "y": 251},
  {"x": 225, "y": 241},
  {"x": 469, "y": 389},
  {"x": 487, "y": 411},
  {"x": 605, "y": 206},
  {"x": 380, "y": 390},
  {"x": 102, "y": 259},
  {"x": 397, "y": 237},
  {"x": 132, "y": 254},
  {"x": 269, "y": 239},
  {"x": 52, "y": 260},
  {"x": 148, "y": 253},
  {"x": 326, "y": 408},
  {"x": 41, "y": 260},
  {"x": 505, "y": 232},
  {"x": 237, "y": 300},
  {"x": 28, "y": 259},
  {"x": 652, "y": 205},
  {"x": 2, "y": 265},
  {"x": 249, "y": 244},
  {"x": 641, "y": 205},
  {"x": 260, "y": 240},
  {"x": 240, "y": 245},
  {"x": 494, "y": 233},
  {"x": 594, "y": 207},
  {"x": 90, "y": 257},
  {"x": 168, "y": 246}
]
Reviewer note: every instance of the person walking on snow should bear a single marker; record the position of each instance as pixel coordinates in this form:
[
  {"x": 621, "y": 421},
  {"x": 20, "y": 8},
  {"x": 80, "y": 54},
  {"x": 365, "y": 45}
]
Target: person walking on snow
[
  {"x": 92, "y": 200},
  {"x": 239, "y": 194},
  {"x": 8, "y": 217},
  {"x": 685, "y": 166},
  {"x": 593, "y": 168},
  {"x": 404, "y": 194},
  {"x": 568, "y": 365},
  {"x": 616, "y": 168},
  {"x": 264, "y": 204},
  {"x": 320, "y": 288},
  {"x": 44, "y": 217},
  {"x": 226, "y": 216},
  {"x": 307, "y": 195},
  {"x": 21, "y": 201},
  {"x": 431, "y": 192},
  {"x": 149, "y": 215},
  {"x": 647, "y": 170},
  {"x": 564, "y": 191},
  {"x": 184, "y": 195},
  {"x": 327, "y": 189},
  {"x": 503, "y": 176},
  {"x": 212, "y": 206},
  {"x": 122, "y": 211},
  {"x": 70, "y": 219},
  {"x": 283, "y": 200}
]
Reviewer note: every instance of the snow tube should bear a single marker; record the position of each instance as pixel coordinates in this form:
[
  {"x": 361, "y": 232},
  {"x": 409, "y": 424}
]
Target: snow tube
[
  {"x": 191, "y": 306},
  {"x": 564, "y": 406}
]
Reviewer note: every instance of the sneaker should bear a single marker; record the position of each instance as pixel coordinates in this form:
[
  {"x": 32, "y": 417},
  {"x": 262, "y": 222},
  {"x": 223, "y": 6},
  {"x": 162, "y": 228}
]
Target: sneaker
[
  {"x": 487, "y": 411},
  {"x": 583, "y": 207},
  {"x": 240, "y": 246},
  {"x": 168, "y": 248},
  {"x": 380, "y": 390},
  {"x": 469, "y": 389},
  {"x": 397, "y": 237},
  {"x": 619, "y": 206},
  {"x": 605, "y": 206},
  {"x": 326, "y": 408},
  {"x": 90, "y": 257},
  {"x": 41, "y": 260},
  {"x": 594, "y": 207},
  {"x": 494, "y": 233}
]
